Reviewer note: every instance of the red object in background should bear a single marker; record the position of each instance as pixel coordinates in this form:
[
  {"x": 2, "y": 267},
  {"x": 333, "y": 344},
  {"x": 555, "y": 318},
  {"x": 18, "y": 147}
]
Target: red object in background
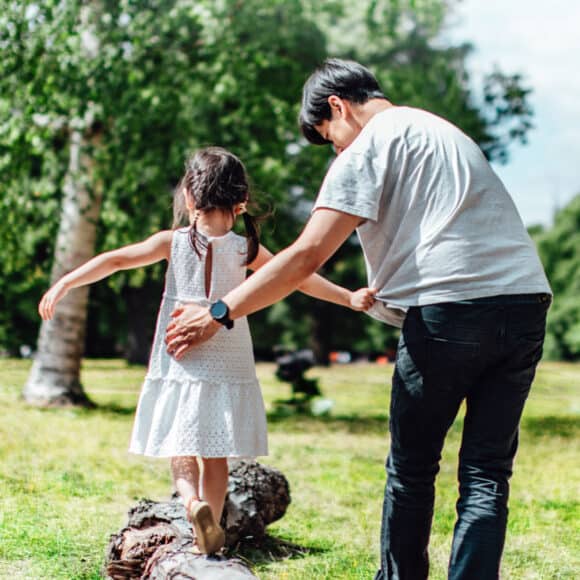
[
  {"x": 340, "y": 356},
  {"x": 383, "y": 360}
]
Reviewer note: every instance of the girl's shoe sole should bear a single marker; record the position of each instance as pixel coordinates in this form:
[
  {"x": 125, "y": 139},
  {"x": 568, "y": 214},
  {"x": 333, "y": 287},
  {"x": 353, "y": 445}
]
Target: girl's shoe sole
[{"x": 210, "y": 537}]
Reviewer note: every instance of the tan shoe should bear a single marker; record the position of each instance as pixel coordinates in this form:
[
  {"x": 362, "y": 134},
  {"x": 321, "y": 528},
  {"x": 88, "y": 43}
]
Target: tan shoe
[{"x": 209, "y": 535}]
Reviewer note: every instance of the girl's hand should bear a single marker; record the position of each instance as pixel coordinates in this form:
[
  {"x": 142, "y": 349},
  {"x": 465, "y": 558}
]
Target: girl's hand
[
  {"x": 362, "y": 299},
  {"x": 51, "y": 299}
]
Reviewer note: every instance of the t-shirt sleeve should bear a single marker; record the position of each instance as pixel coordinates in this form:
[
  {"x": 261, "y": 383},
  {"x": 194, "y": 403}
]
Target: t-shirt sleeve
[{"x": 354, "y": 184}]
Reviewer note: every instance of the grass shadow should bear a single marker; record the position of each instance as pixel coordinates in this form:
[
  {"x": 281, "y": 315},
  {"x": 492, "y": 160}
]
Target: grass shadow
[
  {"x": 272, "y": 549},
  {"x": 114, "y": 409},
  {"x": 116, "y": 365},
  {"x": 566, "y": 426},
  {"x": 375, "y": 424}
]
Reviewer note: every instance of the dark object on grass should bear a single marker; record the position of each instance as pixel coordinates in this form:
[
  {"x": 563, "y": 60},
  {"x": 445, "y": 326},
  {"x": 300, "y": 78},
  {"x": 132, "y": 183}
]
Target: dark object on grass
[
  {"x": 156, "y": 542},
  {"x": 291, "y": 369}
]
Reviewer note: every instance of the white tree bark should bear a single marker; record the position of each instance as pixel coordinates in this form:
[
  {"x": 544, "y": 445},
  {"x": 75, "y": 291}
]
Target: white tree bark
[{"x": 55, "y": 375}]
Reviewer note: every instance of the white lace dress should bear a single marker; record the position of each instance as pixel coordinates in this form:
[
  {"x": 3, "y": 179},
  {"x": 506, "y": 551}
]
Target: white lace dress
[{"x": 208, "y": 403}]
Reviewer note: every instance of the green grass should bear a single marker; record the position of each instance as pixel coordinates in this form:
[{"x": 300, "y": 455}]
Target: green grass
[{"x": 66, "y": 480}]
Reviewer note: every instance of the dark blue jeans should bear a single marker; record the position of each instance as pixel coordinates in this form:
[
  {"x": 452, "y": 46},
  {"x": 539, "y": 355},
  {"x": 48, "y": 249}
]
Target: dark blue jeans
[{"x": 485, "y": 352}]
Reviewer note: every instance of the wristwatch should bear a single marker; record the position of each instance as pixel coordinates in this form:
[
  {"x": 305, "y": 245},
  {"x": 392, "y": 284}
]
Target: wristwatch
[{"x": 221, "y": 313}]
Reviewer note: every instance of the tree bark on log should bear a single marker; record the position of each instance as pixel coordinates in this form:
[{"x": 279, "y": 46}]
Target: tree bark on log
[{"x": 156, "y": 542}]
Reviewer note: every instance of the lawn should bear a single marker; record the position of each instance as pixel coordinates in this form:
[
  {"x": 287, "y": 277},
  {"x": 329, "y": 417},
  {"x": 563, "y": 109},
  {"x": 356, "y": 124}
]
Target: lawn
[{"x": 66, "y": 480}]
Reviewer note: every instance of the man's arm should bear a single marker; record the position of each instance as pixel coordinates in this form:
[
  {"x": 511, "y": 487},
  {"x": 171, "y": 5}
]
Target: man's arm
[
  {"x": 319, "y": 287},
  {"x": 324, "y": 233}
]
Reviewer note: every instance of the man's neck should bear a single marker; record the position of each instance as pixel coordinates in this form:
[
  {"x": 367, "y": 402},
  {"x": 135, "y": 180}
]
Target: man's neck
[{"x": 366, "y": 111}]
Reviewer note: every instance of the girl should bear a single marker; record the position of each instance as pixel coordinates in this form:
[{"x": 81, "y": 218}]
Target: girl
[{"x": 207, "y": 406}]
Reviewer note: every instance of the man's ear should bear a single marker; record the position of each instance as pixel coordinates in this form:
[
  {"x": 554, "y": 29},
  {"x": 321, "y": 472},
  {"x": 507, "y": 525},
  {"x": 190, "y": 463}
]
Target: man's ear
[{"x": 338, "y": 106}]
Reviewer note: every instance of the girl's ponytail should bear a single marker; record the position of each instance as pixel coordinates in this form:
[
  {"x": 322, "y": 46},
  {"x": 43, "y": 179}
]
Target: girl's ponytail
[
  {"x": 253, "y": 235},
  {"x": 193, "y": 237}
]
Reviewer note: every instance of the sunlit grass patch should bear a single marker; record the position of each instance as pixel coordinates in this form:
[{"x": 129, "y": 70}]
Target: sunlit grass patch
[{"x": 67, "y": 479}]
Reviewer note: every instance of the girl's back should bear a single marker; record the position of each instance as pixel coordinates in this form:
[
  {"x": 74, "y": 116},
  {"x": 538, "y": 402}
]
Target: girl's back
[
  {"x": 204, "y": 403},
  {"x": 228, "y": 355},
  {"x": 186, "y": 275}
]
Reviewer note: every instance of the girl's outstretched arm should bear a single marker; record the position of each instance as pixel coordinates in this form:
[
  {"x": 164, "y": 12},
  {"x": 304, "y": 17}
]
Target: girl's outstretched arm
[
  {"x": 153, "y": 249},
  {"x": 319, "y": 287}
]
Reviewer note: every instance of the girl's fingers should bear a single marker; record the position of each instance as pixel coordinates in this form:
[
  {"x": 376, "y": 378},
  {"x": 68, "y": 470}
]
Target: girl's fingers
[{"x": 49, "y": 301}]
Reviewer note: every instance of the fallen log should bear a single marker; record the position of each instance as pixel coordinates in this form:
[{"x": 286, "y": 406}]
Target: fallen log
[{"x": 156, "y": 542}]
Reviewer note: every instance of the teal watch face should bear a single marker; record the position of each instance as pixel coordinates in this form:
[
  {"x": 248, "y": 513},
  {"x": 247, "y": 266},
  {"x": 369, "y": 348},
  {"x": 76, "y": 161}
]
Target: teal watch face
[{"x": 219, "y": 310}]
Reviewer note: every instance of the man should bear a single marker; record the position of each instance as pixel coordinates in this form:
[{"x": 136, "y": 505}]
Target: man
[{"x": 452, "y": 263}]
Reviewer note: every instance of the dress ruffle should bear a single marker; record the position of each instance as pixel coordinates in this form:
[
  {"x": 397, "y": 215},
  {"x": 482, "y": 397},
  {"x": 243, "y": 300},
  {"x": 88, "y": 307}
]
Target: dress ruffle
[{"x": 200, "y": 417}]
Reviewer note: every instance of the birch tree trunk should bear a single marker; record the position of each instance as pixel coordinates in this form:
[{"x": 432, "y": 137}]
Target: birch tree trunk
[{"x": 55, "y": 376}]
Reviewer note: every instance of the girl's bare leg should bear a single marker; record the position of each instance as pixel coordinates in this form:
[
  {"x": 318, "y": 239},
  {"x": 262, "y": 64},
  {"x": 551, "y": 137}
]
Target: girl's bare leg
[
  {"x": 185, "y": 471},
  {"x": 214, "y": 483},
  {"x": 195, "y": 479}
]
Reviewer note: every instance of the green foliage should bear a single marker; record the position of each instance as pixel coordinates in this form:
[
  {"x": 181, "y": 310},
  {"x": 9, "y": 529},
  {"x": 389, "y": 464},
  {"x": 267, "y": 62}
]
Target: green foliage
[
  {"x": 559, "y": 249},
  {"x": 399, "y": 41},
  {"x": 112, "y": 69},
  {"x": 147, "y": 81},
  {"x": 152, "y": 80}
]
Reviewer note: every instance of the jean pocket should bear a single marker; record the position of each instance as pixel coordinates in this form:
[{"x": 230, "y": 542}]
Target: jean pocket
[{"x": 452, "y": 359}]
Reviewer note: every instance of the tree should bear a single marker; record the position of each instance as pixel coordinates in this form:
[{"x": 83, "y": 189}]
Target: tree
[
  {"x": 88, "y": 81},
  {"x": 559, "y": 249},
  {"x": 154, "y": 79}
]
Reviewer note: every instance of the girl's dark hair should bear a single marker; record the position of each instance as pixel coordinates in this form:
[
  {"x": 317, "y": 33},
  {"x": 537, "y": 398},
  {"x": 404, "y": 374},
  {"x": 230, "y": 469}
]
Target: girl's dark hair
[
  {"x": 346, "y": 79},
  {"x": 215, "y": 179}
]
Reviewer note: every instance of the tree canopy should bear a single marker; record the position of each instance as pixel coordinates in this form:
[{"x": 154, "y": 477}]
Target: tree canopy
[{"x": 166, "y": 77}]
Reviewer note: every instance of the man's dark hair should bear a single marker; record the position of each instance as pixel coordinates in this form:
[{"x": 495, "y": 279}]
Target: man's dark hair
[{"x": 346, "y": 79}]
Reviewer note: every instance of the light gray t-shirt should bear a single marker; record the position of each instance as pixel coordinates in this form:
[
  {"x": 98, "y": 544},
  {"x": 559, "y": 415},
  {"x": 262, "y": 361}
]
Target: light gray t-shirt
[{"x": 440, "y": 225}]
